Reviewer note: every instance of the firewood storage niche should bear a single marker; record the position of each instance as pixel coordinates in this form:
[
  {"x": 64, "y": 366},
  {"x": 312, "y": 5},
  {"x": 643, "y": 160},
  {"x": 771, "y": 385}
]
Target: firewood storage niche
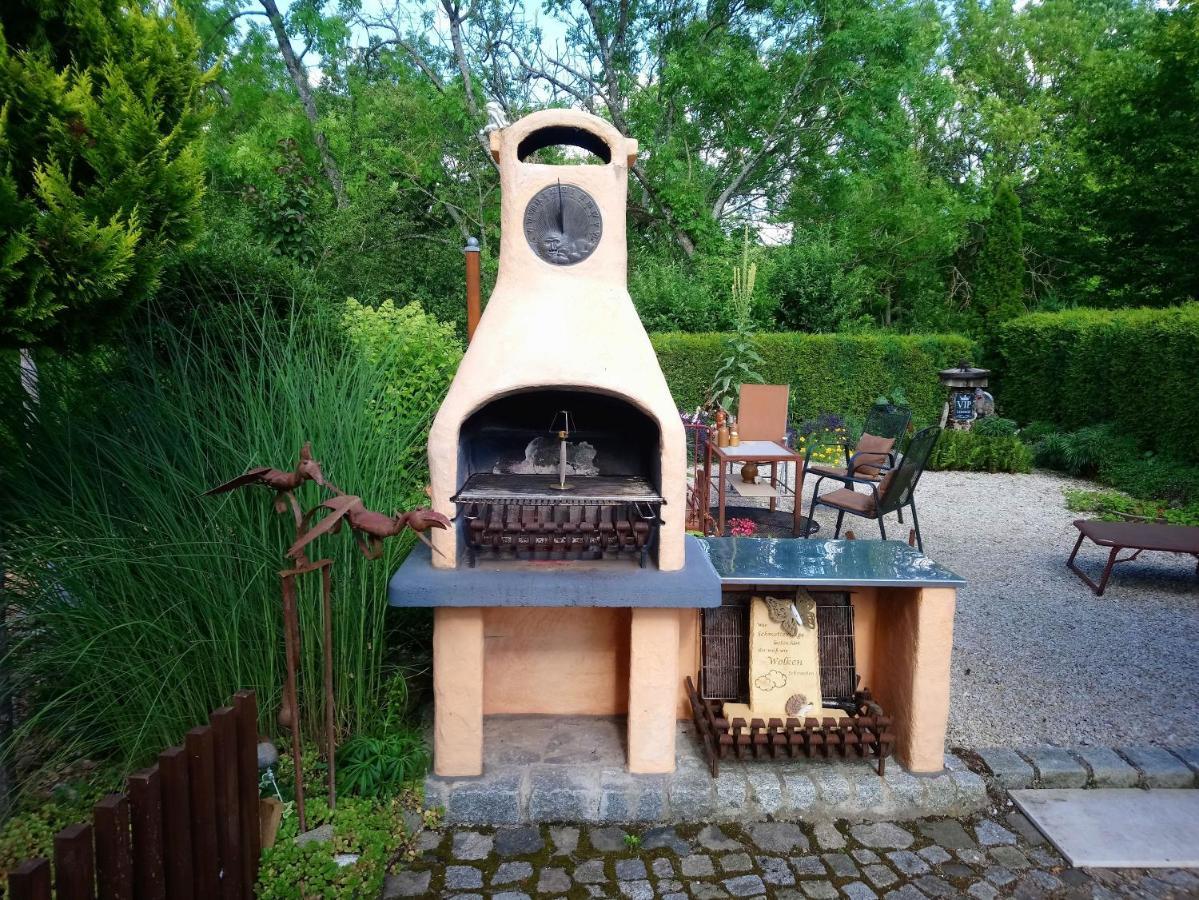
[{"x": 559, "y": 474}]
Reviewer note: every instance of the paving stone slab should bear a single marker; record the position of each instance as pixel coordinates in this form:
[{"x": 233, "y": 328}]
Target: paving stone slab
[
  {"x": 841, "y": 864},
  {"x": 1160, "y": 767},
  {"x": 566, "y": 840},
  {"x": 935, "y": 855},
  {"x": 630, "y": 869},
  {"x": 882, "y": 836},
  {"x": 1108, "y": 768},
  {"x": 991, "y": 833},
  {"x": 458, "y": 877},
  {"x": 865, "y": 855},
  {"x": 523, "y": 841},
  {"x": 1010, "y": 857},
  {"x": 828, "y": 837},
  {"x": 807, "y": 866},
  {"x": 471, "y": 845},
  {"x": 908, "y": 862},
  {"x": 1056, "y": 768},
  {"x": 819, "y": 890},
  {"x": 636, "y": 890},
  {"x": 736, "y": 862},
  {"x": 1113, "y": 828},
  {"x": 947, "y": 833},
  {"x": 879, "y": 875},
  {"x": 745, "y": 886},
  {"x": 662, "y": 867},
  {"x": 607, "y": 840},
  {"x": 697, "y": 866},
  {"x": 778, "y": 837},
  {"x": 712, "y": 838},
  {"x": 511, "y": 872},
  {"x": 590, "y": 872},
  {"x": 553, "y": 881},
  {"x": 776, "y": 871},
  {"x": 1007, "y": 767},
  {"x": 406, "y": 884},
  {"x": 857, "y": 890},
  {"x": 665, "y": 838}
]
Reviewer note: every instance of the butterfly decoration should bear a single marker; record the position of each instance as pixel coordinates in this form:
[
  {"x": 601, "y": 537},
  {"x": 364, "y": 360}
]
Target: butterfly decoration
[{"x": 793, "y": 615}]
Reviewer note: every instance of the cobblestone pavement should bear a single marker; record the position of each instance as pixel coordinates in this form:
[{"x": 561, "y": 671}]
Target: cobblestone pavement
[{"x": 996, "y": 854}]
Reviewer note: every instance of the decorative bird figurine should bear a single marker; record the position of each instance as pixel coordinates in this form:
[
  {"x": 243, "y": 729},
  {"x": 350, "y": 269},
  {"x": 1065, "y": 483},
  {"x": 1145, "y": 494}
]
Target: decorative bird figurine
[
  {"x": 369, "y": 527},
  {"x": 283, "y": 483}
]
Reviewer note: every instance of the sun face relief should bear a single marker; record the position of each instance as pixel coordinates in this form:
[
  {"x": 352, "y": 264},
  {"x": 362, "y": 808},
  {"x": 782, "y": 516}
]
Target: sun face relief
[{"x": 563, "y": 224}]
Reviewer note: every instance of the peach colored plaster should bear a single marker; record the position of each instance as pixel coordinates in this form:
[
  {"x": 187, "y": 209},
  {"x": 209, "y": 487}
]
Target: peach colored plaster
[
  {"x": 914, "y": 638},
  {"x": 458, "y": 691},
  {"x": 654, "y": 679},
  {"x": 578, "y": 322},
  {"x": 570, "y": 661}
]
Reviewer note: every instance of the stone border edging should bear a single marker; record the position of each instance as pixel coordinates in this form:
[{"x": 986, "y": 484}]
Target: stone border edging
[
  {"x": 808, "y": 791},
  {"x": 1144, "y": 766}
]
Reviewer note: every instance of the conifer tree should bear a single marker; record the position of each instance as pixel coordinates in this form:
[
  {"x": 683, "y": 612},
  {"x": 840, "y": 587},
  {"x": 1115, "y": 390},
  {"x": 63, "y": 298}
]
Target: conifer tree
[
  {"x": 100, "y": 108},
  {"x": 999, "y": 277}
]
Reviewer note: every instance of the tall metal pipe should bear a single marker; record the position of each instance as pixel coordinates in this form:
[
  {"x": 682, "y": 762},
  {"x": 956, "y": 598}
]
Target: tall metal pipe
[{"x": 474, "y": 308}]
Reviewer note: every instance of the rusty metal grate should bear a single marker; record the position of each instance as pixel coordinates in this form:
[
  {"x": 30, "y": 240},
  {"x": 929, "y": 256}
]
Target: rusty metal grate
[
  {"x": 838, "y": 668},
  {"x": 726, "y": 651},
  {"x": 725, "y": 647}
]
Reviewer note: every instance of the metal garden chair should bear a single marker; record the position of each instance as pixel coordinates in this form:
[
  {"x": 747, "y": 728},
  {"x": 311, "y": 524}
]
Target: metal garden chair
[{"x": 895, "y": 490}]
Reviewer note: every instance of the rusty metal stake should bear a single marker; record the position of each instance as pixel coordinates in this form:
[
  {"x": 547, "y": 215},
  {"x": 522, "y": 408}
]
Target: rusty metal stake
[
  {"x": 291, "y": 637},
  {"x": 330, "y": 733},
  {"x": 474, "y": 300}
]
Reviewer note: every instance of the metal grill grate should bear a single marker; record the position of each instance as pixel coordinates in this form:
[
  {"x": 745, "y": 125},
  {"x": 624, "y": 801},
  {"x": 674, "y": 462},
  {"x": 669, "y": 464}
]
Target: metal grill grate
[
  {"x": 726, "y": 647},
  {"x": 726, "y": 651},
  {"x": 838, "y": 669}
]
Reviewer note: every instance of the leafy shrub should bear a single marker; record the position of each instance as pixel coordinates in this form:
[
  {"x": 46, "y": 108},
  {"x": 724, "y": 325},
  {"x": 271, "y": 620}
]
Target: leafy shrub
[
  {"x": 1117, "y": 506},
  {"x": 364, "y": 828},
  {"x": 969, "y": 451},
  {"x": 1130, "y": 367},
  {"x": 380, "y": 766},
  {"x": 1035, "y": 432},
  {"x": 101, "y": 106},
  {"x": 174, "y": 598},
  {"x": 1079, "y": 453},
  {"x": 843, "y": 372},
  {"x": 995, "y": 426}
]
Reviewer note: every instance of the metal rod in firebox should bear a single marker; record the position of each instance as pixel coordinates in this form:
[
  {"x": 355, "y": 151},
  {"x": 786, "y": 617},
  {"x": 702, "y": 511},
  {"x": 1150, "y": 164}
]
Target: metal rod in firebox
[{"x": 563, "y": 437}]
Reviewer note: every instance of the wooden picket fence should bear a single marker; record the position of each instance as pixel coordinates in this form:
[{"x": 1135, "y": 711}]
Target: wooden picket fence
[{"x": 185, "y": 829}]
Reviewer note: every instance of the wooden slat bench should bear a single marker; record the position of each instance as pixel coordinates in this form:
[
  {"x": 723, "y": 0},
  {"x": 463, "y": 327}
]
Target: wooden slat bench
[{"x": 1135, "y": 536}]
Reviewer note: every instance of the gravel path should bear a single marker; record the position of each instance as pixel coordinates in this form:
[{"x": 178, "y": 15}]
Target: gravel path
[{"x": 1038, "y": 659}]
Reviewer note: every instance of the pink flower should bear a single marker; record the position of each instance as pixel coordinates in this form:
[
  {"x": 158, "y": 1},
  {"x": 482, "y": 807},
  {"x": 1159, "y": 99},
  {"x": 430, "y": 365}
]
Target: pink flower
[{"x": 743, "y": 527}]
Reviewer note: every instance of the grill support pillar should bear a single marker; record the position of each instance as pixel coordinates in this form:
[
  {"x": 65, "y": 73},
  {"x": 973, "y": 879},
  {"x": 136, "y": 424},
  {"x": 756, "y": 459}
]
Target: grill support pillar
[
  {"x": 654, "y": 679},
  {"x": 458, "y": 691}
]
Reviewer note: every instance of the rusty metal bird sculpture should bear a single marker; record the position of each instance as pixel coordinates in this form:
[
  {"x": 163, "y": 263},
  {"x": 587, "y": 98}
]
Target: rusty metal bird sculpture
[
  {"x": 369, "y": 527},
  {"x": 283, "y": 483}
]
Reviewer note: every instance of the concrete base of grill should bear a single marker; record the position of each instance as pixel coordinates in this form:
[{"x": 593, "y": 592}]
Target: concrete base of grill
[{"x": 572, "y": 769}]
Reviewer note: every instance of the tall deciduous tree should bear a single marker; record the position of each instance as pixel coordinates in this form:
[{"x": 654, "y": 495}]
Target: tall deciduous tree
[{"x": 100, "y": 106}]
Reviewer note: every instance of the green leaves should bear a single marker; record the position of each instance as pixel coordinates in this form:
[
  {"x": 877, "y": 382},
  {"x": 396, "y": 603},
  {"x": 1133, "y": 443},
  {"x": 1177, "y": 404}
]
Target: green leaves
[{"x": 98, "y": 110}]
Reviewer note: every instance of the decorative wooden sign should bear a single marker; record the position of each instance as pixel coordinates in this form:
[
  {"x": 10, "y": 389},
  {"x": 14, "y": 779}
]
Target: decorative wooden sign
[{"x": 784, "y": 657}]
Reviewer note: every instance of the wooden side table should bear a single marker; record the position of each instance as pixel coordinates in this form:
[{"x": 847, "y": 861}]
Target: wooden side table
[{"x": 769, "y": 452}]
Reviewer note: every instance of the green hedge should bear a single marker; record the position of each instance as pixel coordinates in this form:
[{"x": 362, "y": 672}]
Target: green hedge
[
  {"x": 828, "y": 373},
  {"x": 1135, "y": 368},
  {"x": 966, "y": 451}
]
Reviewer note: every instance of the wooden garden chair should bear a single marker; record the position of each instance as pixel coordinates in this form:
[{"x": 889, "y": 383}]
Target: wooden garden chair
[{"x": 890, "y": 493}]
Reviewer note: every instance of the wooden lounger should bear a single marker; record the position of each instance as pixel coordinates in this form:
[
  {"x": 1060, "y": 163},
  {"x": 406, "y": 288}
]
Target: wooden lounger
[{"x": 1135, "y": 536}]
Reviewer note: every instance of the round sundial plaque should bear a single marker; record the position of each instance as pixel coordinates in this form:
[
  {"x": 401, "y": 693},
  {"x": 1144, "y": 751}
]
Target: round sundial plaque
[{"x": 563, "y": 224}]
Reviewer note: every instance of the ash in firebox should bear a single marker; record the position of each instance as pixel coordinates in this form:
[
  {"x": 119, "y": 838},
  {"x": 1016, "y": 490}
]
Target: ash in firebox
[{"x": 541, "y": 458}]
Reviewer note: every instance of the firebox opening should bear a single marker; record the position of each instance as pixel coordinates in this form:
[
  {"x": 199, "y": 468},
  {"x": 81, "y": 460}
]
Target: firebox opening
[
  {"x": 559, "y": 474},
  {"x": 564, "y": 135}
]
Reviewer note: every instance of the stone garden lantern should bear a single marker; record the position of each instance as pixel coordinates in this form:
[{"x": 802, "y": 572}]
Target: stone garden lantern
[{"x": 968, "y": 399}]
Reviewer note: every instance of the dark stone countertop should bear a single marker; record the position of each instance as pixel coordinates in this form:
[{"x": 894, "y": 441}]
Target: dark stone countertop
[
  {"x": 613, "y": 583},
  {"x": 812, "y": 563}
]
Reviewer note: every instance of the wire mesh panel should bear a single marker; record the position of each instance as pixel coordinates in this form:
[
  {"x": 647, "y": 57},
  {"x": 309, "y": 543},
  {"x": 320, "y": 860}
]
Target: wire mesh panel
[
  {"x": 726, "y": 651},
  {"x": 834, "y": 624}
]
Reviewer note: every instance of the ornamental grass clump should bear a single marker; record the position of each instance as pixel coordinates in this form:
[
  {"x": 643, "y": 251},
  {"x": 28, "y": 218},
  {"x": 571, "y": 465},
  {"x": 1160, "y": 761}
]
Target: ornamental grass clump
[{"x": 135, "y": 604}]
